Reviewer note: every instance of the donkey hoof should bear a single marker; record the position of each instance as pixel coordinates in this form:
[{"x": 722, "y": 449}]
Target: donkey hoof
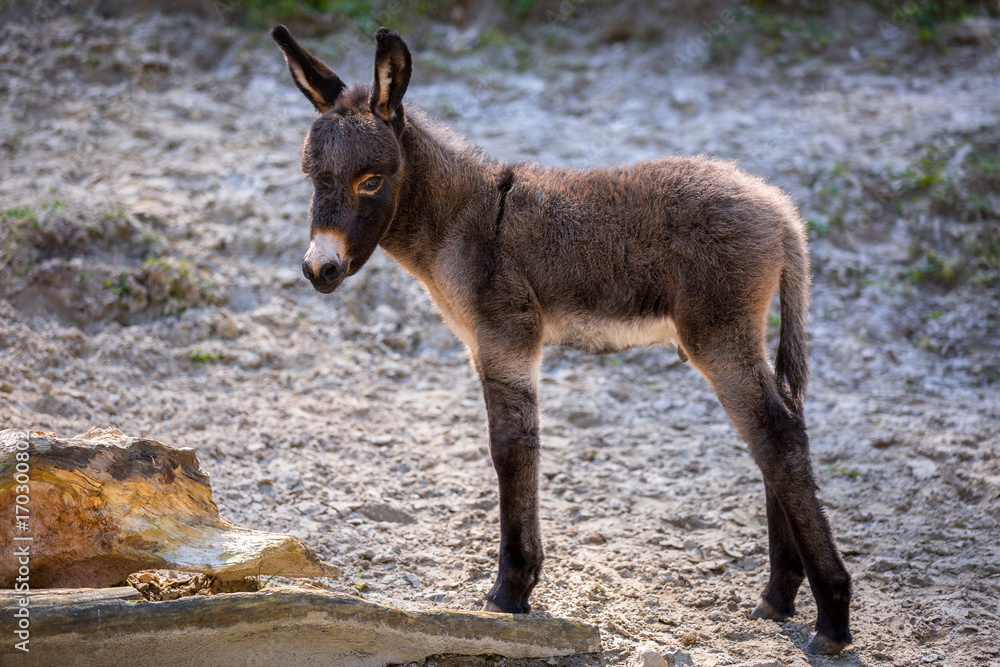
[
  {"x": 765, "y": 611},
  {"x": 501, "y": 604},
  {"x": 823, "y": 645}
]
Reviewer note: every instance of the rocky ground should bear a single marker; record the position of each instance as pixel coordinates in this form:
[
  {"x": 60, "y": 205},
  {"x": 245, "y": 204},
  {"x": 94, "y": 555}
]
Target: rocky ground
[{"x": 154, "y": 218}]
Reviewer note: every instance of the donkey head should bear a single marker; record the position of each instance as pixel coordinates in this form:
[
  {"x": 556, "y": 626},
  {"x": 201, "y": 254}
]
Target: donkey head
[{"x": 352, "y": 155}]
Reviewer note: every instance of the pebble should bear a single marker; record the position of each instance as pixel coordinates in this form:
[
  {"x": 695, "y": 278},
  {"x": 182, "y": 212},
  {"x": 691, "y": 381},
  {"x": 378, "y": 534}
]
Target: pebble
[
  {"x": 675, "y": 655},
  {"x": 437, "y": 596},
  {"x": 227, "y": 327},
  {"x": 647, "y": 656},
  {"x": 582, "y": 419}
]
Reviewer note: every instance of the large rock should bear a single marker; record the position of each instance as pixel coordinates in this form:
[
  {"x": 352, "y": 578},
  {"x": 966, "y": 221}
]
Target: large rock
[
  {"x": 277, "y": 626},
  {"x": 97, "y": 507}
]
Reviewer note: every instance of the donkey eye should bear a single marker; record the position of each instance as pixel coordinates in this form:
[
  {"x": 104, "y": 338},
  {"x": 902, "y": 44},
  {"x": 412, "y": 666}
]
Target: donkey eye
[{"x": 370, "y": 185}]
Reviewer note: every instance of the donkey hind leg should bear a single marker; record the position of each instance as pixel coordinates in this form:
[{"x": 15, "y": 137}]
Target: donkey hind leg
[
  {"x": 509, "y": 388},
  {"x": 800, "y": 538},
  {"x": 778, "y": 600}
]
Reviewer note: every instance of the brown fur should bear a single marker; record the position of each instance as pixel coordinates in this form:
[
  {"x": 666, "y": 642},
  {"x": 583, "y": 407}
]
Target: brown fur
[{"x": 684, "y": 250}]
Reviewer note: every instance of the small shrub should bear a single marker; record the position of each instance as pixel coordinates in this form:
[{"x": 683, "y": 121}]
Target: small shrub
[
  {"x": 932, "y": 268},
  {"x": 815, "y": 227},
  {"x": 199, "y": 357}
]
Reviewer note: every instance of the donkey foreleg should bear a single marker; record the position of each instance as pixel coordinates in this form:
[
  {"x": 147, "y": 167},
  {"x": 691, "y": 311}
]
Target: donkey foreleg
[{"x": 509, "y": 388}]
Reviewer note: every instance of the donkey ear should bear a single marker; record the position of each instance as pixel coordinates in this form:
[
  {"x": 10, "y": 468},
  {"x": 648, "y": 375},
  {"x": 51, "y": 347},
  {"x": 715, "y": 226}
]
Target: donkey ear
[
  {"x": 311, "y": 75},
  {"x": 392, "y": 74}
]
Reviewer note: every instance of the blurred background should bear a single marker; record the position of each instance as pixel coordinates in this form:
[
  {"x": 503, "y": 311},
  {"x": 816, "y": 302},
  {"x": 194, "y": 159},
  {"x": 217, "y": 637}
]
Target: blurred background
[{"x": 152, "y": 223}]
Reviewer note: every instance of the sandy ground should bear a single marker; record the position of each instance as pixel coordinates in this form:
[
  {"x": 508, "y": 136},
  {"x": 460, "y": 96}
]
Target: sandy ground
[{"x": 149, "y": 281}]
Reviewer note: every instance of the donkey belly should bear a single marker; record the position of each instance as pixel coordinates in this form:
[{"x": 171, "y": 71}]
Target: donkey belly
[{"x": 601, "y": 335}]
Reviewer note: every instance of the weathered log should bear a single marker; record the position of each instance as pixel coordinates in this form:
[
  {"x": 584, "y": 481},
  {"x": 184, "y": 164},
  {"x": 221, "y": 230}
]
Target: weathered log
[
  {"x": 97, "y": 507},
  {"x": 276, "y": 626}
]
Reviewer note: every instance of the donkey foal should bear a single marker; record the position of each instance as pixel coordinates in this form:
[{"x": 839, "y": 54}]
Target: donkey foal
[{"x": 685, "y": 251}]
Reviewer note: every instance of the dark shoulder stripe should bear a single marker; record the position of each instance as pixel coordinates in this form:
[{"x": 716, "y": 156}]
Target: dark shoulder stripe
[{"x": 503, "y": 187}]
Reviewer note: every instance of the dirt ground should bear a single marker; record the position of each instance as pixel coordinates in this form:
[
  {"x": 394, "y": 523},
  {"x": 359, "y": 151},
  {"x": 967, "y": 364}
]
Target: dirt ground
[{"x": 153, "y": 227}]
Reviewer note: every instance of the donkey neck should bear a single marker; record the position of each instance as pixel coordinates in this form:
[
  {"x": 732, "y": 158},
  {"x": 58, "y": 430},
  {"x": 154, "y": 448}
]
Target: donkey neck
[{"x": 448, "y": 187}]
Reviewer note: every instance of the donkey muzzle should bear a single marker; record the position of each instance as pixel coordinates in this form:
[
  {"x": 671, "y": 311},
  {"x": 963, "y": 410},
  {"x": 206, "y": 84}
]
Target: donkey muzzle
[
  {"x": 325, "y": 277},
  {"x": 325, "y": 264}
]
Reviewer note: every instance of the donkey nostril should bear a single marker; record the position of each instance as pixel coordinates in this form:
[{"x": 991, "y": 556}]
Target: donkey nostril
[
  {"x": 307, "y": 271},
  {"x": 329, "y": 272}
]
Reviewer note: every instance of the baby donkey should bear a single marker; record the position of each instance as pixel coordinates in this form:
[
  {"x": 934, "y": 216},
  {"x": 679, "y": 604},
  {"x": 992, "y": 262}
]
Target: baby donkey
[{"x": 685, "y": 251}]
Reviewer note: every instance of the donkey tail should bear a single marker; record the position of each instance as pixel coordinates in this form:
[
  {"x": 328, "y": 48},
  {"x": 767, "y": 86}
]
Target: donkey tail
[{"x": 790, "y": 364}]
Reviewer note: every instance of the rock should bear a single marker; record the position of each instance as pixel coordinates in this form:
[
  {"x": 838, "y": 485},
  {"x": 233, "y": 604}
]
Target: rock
[
  {"x": 266, "y": 627},
  {"x": 583, "y": 419},
  {"x": 648, "y": 656},
  {"x": 437, "y": 596},
  {"x": 386, "y": 514},
  {"x": 675, "y": 655},
  {"x": 104, "y": 505}
]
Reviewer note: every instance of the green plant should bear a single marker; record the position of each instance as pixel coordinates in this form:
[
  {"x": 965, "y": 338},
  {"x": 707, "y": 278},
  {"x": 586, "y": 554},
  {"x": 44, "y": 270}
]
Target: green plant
[
  {"x": 54, "y": 205},
  {"x": 816, "y": 227},
  {"x": 199, "y": 357},
  {"x": 933, "y": 268},
  {"x": 121, "y": 284},
  {"x": 13, "y": 143},
  {"x": 843, "y": 470},
  {"x": 518, "y": 8},
  {"x": 355, "y": 13},
  {"x": 17, "y": 253},
  {"x": 857, "y": 274},
  {"x": 955, "y": 185},
  {"x": 20, "y": 213},
  {"x": 928, "y": 170},
  {"x": 260, "y": 567}
]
